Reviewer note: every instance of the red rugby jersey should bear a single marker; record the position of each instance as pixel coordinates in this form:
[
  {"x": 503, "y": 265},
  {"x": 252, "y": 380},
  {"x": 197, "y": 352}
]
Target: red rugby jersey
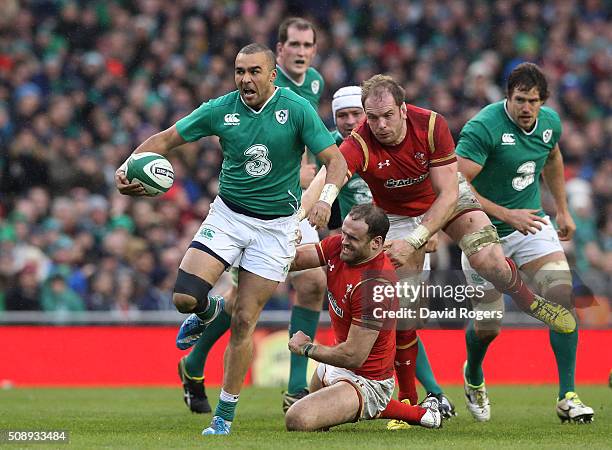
[
  {"x": 350, "y": 292},
  {"x": 398, "y": 175}
]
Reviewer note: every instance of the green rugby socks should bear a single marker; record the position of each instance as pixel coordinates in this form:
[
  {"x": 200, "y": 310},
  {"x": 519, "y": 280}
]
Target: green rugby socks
[
  {"x": 226, "y": 408},
  {"x": 564, "y": 347},
  {"x": 195, "y": 361},
  {"x": 305, "y": 320},
  {"x": 424, "y": 373},
  {"x": 476, "y": 351}
]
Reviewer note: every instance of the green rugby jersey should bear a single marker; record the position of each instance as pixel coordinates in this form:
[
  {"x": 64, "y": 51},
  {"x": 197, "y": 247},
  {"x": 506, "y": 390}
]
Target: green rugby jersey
[
  {"x": 262, "y": 149},
  {"x": 511, "y": 158},
  {"x": 355, "y": 191},
  {"x": 311, "y": 88}
]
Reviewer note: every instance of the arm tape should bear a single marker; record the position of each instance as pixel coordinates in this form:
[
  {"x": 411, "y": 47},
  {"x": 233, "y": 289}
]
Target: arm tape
[
  {"x": 329, "y": 193},
  {"x": 418, "y": 237}
]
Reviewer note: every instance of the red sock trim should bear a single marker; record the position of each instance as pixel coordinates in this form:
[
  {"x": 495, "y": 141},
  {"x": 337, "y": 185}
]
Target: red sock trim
[{"x": 517, "y": 289}]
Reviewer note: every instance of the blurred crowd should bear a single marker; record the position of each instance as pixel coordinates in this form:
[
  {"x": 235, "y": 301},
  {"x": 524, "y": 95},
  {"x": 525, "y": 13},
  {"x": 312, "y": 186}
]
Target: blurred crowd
[{"x": 82, "y": 83}]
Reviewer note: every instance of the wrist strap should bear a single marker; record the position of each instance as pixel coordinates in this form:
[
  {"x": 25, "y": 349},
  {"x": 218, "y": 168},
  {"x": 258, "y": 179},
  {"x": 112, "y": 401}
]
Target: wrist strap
[
  {"x": 329, "y": 193},
  {"x": 307, "y": 349},
  {"x": 418, "y": 237}
]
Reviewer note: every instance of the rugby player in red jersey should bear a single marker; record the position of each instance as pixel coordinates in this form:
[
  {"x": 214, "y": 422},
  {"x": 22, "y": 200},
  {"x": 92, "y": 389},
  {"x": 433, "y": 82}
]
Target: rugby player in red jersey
[
  {"x": 354, "y": 380},
  {"x": 406, "y": 156}
]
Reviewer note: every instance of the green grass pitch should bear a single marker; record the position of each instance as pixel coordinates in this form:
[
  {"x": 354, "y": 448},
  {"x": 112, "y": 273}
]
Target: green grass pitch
[{"x": 522, "y": 417}]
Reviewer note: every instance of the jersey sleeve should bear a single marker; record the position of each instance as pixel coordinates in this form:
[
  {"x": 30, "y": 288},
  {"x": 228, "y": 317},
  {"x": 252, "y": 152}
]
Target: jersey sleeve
[
  {"x": 370, "y": 307},
  {"x": 314, "y": 134},
  {"x": 354, "y": 156},
  {"x": 196, "y": 125},
  {"x": 443, "y": 151},
  {"x": 474, "y": 143},
  {"x": 326, "y": 247}
]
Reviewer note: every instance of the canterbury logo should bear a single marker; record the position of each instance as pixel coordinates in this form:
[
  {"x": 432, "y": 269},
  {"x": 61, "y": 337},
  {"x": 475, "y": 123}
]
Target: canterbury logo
[
  {"x": 508, "y": 139},
  {"x": 231, "y": 119}
]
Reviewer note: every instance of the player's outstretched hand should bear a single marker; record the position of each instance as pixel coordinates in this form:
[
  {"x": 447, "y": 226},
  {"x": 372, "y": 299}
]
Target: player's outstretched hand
[
  {"x": 127, "y": 188},
  {"x": 525, "y": 220},
  {"x": 567, "y": 226},
  {"x": 319, "y": 214},
  {"x": 401, "y": 253},
  {"x": 297, "y": 341}
]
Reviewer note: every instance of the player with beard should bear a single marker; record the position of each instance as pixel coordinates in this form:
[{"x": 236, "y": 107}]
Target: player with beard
[{"x": 354, "y": 380}]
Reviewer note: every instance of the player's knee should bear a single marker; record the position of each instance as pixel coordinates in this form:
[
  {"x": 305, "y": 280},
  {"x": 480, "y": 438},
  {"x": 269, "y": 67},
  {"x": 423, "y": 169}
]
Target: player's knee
[
  {"x": 554, "y": 281},
  {"x": 310, "y": 295},
  {"x": 296, "y": 420},
  {"x": 190, "y": 292},
  {"x": 491, "y": 264},
  {"x": 241, "y": 326},
  {"x": 183, "y": 303}
]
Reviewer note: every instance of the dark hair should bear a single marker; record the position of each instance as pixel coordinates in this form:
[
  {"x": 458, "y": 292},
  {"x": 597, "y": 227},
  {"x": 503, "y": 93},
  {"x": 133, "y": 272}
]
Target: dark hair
[
  {"x": 378, "y": 85},
  {"x": 526, "y": 76},
  {"x": 374, "y": 217},
  {"x": 259, "y": 48},
  {"x": 300, "y": 24}
]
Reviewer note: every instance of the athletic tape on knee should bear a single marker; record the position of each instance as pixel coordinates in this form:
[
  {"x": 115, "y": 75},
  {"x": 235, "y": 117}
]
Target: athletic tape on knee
[
  {"x": 552, "y": 274},
  {"x": 474, "y": 242},
  {"x": 189, "y": 284}
]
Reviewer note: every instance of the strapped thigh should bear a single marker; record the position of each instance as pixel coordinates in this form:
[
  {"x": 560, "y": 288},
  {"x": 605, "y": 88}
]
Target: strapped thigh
[{"x": 472, "y": 243}]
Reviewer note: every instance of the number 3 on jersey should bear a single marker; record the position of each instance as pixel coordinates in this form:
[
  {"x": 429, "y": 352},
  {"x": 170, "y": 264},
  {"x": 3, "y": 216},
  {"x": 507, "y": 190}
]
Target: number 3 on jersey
[
  {"x": 527, "y": 171},
  {"x": 258, "y": 165}
]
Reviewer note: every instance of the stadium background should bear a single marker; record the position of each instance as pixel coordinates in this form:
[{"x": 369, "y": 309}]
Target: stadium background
[{"x": 82, "y": 83}]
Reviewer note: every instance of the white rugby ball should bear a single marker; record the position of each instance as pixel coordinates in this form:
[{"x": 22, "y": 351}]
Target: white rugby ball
[{"x": 153, "y": 171}]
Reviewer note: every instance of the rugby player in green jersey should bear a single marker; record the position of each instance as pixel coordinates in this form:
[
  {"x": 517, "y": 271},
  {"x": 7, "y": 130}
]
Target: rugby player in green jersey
[
  {"x": 263, "y": 130},
  {"x": 295, "y": 51},
  {"x": 503, "y": 151}
]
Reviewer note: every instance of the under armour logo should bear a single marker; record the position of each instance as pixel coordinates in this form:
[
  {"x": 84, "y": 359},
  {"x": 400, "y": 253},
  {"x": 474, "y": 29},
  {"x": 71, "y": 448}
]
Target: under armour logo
[
  {"x": 330, "y": 265},
  {"x": 349, "y": 287},
  {"x": 403, "y": 363},
  {"x": 383, "y": 164}
]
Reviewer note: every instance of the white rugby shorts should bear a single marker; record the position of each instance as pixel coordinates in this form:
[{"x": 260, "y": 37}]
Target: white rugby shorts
[
  {"x": 309, "y": 234},
  {"x": 374, "y": 395},
  {"x": 263, "y": 247}
]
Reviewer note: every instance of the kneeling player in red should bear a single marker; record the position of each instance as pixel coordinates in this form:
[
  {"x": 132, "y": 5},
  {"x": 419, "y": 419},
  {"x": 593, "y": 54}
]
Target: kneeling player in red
[{"x": 354, "y": 380}]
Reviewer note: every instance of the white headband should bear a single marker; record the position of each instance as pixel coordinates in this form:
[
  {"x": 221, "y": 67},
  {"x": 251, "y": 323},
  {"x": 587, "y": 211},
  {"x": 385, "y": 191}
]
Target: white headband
[{"x": 346, "y": 97}]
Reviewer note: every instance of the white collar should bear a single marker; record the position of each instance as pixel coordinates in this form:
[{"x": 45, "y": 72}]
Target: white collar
[
  {"x": 527, "y": 133},
  {"x": 276, "y": 88}
]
